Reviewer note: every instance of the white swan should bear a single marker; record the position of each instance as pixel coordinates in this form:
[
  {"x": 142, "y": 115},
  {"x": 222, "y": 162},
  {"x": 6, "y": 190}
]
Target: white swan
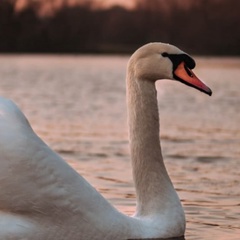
[{"x": 42, "y": 197}]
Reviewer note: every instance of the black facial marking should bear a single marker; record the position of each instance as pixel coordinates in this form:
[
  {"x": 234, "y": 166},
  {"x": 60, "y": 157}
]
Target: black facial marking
[
  {"x": 165, "y": 54},
  {"x": 176, "y": 59}
]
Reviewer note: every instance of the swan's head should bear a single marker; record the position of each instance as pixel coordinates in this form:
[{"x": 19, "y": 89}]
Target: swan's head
[{"x": 155, "y": 61}]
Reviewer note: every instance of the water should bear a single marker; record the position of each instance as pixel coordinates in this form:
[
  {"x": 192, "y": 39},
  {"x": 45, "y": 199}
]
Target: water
[{"x": 77, "y": 105}]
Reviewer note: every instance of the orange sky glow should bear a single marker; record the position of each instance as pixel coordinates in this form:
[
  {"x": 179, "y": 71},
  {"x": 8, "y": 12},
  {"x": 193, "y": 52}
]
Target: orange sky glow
[
  {"x": 109, "y": 3},
  {"x": 47, "y": 6}
]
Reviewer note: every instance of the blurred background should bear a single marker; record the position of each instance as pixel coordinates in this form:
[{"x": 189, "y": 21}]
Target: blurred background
[{"x": 209, "y": 27}]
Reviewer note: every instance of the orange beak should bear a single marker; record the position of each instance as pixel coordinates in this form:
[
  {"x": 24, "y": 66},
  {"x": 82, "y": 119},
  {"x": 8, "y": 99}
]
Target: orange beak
[{"x": 186, "y": 75}]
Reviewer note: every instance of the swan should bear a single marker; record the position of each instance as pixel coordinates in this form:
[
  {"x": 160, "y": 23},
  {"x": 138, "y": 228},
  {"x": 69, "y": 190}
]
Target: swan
[{"x": 42, "y": 197}]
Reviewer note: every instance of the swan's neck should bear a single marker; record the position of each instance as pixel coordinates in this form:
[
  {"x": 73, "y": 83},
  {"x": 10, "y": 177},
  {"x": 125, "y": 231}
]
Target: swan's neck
[{"x": 154, "y": 190}]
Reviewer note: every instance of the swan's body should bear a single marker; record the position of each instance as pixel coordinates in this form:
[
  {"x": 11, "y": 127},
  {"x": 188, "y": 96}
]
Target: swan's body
[{"x": 42, "y": 197}]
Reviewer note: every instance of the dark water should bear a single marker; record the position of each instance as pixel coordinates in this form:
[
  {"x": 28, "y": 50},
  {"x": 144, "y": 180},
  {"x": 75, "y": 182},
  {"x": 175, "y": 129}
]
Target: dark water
[{"x": 77, "y": 105}]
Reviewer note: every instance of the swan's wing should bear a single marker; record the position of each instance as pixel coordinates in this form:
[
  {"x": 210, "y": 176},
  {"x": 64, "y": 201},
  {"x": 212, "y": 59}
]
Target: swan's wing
[{"x": 37, "y": 183}]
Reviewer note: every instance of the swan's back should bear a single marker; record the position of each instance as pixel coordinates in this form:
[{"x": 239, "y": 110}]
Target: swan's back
[{"x": 40, "y": 193}]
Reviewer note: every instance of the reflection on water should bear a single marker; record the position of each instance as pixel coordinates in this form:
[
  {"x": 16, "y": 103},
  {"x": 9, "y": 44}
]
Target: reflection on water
[
  {"x": 77, "y": 105},
  {"x": 175, "y": 238}
]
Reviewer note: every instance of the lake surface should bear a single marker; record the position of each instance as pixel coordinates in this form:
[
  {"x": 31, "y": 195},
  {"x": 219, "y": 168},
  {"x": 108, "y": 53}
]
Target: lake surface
[{"x": 77, "y": 105}]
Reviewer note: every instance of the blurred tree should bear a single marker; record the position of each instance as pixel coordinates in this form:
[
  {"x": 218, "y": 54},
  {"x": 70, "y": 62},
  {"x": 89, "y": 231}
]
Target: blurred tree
[
  {"x": 203, "y": 26},
  {"x": 7, "y": 26}
]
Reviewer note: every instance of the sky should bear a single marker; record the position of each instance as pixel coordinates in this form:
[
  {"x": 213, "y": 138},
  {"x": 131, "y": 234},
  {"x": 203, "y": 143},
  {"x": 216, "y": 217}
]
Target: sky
[
  {"x": 109, "y": 3},
  {"x": 105, "y": 3},
  {"x": 47, "y": 7}
]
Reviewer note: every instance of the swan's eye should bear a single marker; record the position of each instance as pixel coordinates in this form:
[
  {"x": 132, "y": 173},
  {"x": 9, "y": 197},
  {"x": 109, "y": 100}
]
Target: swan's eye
[{"x": 188, "y": 71}]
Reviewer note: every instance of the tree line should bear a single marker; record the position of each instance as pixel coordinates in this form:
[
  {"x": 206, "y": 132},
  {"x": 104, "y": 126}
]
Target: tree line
[{"x": 204, "y": 27}]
